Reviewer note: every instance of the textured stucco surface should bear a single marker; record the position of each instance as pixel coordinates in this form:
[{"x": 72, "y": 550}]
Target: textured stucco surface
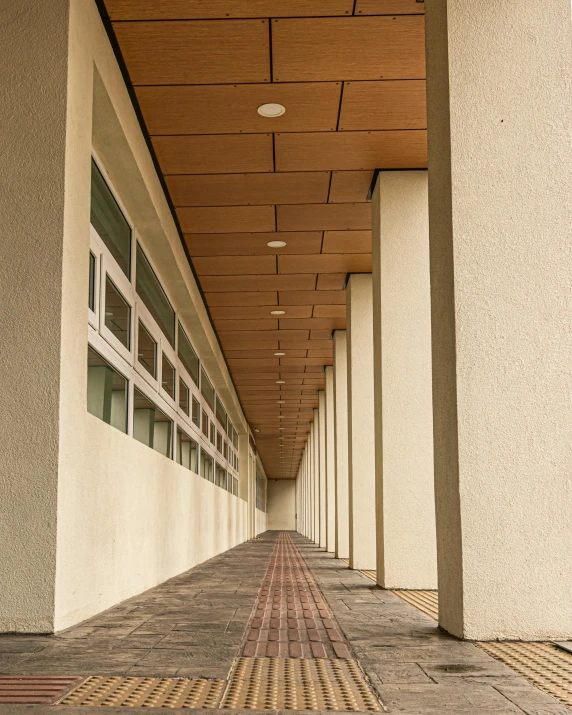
[
  {"x": 361, "y": 447},
  {"x": 330, "y": 462},
  {"x": 33, "y": 76},
  {"x": 405, "y": 498},
  {"x": 282, "y": 504},
  {"x": 341, "y": 443},
  {"x": 500, "y": 163},
  {"x": 323, "y": 475},
  {"x": 316, "y": 468}
]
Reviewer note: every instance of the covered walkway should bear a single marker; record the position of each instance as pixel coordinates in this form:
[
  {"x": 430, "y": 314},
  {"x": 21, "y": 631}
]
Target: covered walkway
[{"x": 273, "y": 624}]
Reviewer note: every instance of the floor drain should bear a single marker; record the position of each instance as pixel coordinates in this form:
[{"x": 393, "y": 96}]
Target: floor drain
[
  {"x": 299, "y": 684},
  {"x": 34, "y": 689},
  {"x": 121, "y": 691}
]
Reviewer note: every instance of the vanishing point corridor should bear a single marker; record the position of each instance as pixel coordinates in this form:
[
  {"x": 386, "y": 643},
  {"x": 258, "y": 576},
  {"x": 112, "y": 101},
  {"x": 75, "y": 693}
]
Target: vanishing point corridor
[{"x": 273, "y": 624}]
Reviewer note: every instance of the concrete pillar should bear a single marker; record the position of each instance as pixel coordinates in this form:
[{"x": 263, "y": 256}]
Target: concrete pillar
[
  {"x": 500, "y": 171},
  {"x": 330, "y": 463},
  {"x": 342, "y": 546},
  {"x": 405, "y": 495},
  {"x": 310, "y": 458},
  {"x": 322, "y": 448},
  {"x": 361, "y": 446},
  {"x": 316, "y": 468}
]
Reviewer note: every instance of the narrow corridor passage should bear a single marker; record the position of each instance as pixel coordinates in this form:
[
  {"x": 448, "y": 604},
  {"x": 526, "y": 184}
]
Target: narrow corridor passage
[{"x": 274, "y": 624}]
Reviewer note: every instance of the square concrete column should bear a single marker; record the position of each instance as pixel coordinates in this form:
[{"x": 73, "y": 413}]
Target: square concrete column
[
  {"x": 500, "y": 212},
  {"x": 316, "y": 470},
  {"x": 361, "y": 437},
  {"x": 330, "y": 463},
  {"x": 342, "y": 547},
  {"x": 405, "y": 495},
  {"x": 322, "y": 449}
]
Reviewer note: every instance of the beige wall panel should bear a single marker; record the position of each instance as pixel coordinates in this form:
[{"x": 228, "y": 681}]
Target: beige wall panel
[
  {"x": 195, "y": 52},
  {"x": 234, "y": 265},
  {"x": 226, "y": 219},
  {"x": 348, "y": 48},
  {"x": 398, "y": 104},
  {"x": 282, "y": 504},
  {"x": 249, "y": 283},
  {"x": 308, "y": 217},
  {"x": 256, "y": 298},
  {"x": 313, "y": 297},
  {"x": 349, "y": 186},
  {"x": 215, "y": 154},
  {"x": 229, "y": 109},
  {"x": 315, "y": 151},
  {"x": 193, "y": 9},
  {"x": 347, "y": 241},
  {"x": 325, "y": 263},
  {"x": 387, "y": 7},
  {"x": 243, "y": 244}
]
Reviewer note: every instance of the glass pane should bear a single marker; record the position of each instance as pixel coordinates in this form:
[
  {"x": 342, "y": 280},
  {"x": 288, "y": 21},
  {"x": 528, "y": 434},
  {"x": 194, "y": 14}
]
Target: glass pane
[
  {"x": 235, "y": 487},
  {"x": 205, "y": 424},
  {"x": 219, "y": 441},
  {"x": 109, "y": 222},
  {"x": 188, "y": 356},
  {"x": 184, "y": 396},
  {"x": 117, "y": 314},
  {"x": 213, "y": 433},
  {"x": 168, "y": 377},
  {"x": 220, "y": 476},
  {"x": 196, "y": 416},
  {"x": 220, "y": 413},
  {"x": 207, "y": 466},
  {"x": 106, "y": 392},
  {"x": 187, "y": 451},
  {"x": 207, "y": 390},
  {"x": 151, "y": 426},
  {"x": 152, "y": 294},
  {"x": 92, "y": 275},
  {"x": 146, "y": 350},
  {"x": 225, "y": 450}
]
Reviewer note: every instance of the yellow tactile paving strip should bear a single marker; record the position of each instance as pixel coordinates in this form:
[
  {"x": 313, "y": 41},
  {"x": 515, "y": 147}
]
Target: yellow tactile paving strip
[
  {"x": 426, "y": 601},
  {"x": 299, "y": 684}
]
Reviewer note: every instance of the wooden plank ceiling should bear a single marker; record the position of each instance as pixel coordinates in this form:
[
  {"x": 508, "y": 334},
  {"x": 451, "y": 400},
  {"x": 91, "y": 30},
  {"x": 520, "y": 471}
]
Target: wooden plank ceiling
[{"x": 351, "y": 75}]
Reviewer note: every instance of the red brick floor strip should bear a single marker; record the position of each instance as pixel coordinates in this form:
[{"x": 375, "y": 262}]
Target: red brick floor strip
[
  {"x": 291, "y": 618},
  {"x": 35, "y": 689}
]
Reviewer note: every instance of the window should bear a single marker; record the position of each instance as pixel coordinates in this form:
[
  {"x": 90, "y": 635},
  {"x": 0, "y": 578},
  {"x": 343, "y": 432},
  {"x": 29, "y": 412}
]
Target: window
[
  {"x": 220, "y": 476},
  {"x": 117, "y": 314},
  {"x": 196, "y": 416},
  {"x": 188, "y": 356},
  {"x": 220, "y": 413},
  {"x": 187, "y": 451},
  {"x": 151, "y": 426},
  {"x": 146, "y": 350},
  {"x": 207, "y": 466},
  {"x": 219, "y": 441},
  {"x": 168, "y": 377},
  {"x": 205, "y": 424},
  {"x": 213, "y": 433},
  {"x": 225, "y": 450},
  {"x": 106, "y": 392},
  {"x": 92, "y": 279},
  {"x": 207, "y": 390},
  {"x": 108, "y": 220},
  {"x": 235, "y": 487},
  {"x": 184, "y": 398},
  {"x": 153, "y": 296},
  {"x": 260, "y": 501}
]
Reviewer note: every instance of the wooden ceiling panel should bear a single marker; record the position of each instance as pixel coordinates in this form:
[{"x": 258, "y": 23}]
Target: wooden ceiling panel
[
  {"x": 235, "y": 299},
  {"x": 226, "y": 219},
  {"x": 223, "y": 284},
  {"x": 243, "y": 337},
  {"x": 238, "y": 343},
  {"x": 215, "y": 9},
  {"x": 229, "y": 109},
  {"x": 234, "y": 265},
  {"x": 329, "y": 311},
  {"x": 195, "y": 52},
  {"x": 215, "y": 154},
  {"x": 397, "y": 104},
  {"x": 347, "y": 242},
  {"x": 349, "y": 186},
  {"x": 312, "y": 297},
  {"x": 389, "y": 7},
  {"x": 243, "y": 244},
  {"x": 339, "y": 48},
  {"x": 288, "y": 345},
  {"x": 249, "y": 189},
  {"x": 331, "y": 281},
  {"x": 308, "y": 217},
  {"x": 312, "y": 324},
  {"x": 326, "y": 263},
  {"x": 253, "y": 312},
  {"x": 319, "y": 353},
  {"x": 268, "y": 382},
  {"x": 348, "y": 151},
  {"x": 253, "y": 362},
  {"x": 239, "y": 325}
]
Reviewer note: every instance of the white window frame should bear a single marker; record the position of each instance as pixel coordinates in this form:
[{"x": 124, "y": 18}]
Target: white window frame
[{"x": 110, "y": 268}]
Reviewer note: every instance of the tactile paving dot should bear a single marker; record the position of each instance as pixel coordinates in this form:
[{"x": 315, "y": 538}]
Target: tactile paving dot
[
  {"x": 299, "y": 684},
  {"x": 121, "y": 691}
]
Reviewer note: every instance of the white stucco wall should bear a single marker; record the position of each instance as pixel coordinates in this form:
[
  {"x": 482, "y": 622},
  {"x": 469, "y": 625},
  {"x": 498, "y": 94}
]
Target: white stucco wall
[
  {"x": 282, "y": 504},
  {"x": 261, "y": 522}
]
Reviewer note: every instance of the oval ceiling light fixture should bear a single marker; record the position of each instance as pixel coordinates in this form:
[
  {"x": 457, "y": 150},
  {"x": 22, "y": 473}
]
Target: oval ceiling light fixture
[
  {"x": 276, "y": 244},
  {"x": 279, "y": 354},
  {"x": 277, "y": 312},
  {"x": 272, "y": 109},
  {"x": 280, "y": 382}
]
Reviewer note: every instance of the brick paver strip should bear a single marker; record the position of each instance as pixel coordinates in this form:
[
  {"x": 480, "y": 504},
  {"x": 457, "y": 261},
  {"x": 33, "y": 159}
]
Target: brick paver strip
[{"x": 291, "y": 618}]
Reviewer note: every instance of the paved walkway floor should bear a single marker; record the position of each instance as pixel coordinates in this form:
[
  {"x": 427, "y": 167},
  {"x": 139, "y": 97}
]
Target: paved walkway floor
[{"x": 280, "y": 597}]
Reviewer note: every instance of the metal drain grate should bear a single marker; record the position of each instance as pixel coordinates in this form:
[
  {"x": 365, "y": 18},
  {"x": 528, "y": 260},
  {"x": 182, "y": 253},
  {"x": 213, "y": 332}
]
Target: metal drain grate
[
  {"x": 426, "y": 601},
  {"x": 120, "y": 691},
  {"x": 35, "y": 690},
  {"x": 543, "y": 664},
  {"x": 299, "y": 684}
]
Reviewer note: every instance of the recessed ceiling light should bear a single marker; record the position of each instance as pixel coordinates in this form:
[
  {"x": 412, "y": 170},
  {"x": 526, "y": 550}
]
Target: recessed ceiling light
[
  {"x": 280, "y": 417},
  {"x": 280, "y": 402},
  {"x": 280, "y": 382},
  {"x": 277, "y": 312},
  {"x": 281, "y": 427},
  {"x": 276, "y": 244},
  {"x": 279, "y": 354},
  {"x": 271, "y": 110}
]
